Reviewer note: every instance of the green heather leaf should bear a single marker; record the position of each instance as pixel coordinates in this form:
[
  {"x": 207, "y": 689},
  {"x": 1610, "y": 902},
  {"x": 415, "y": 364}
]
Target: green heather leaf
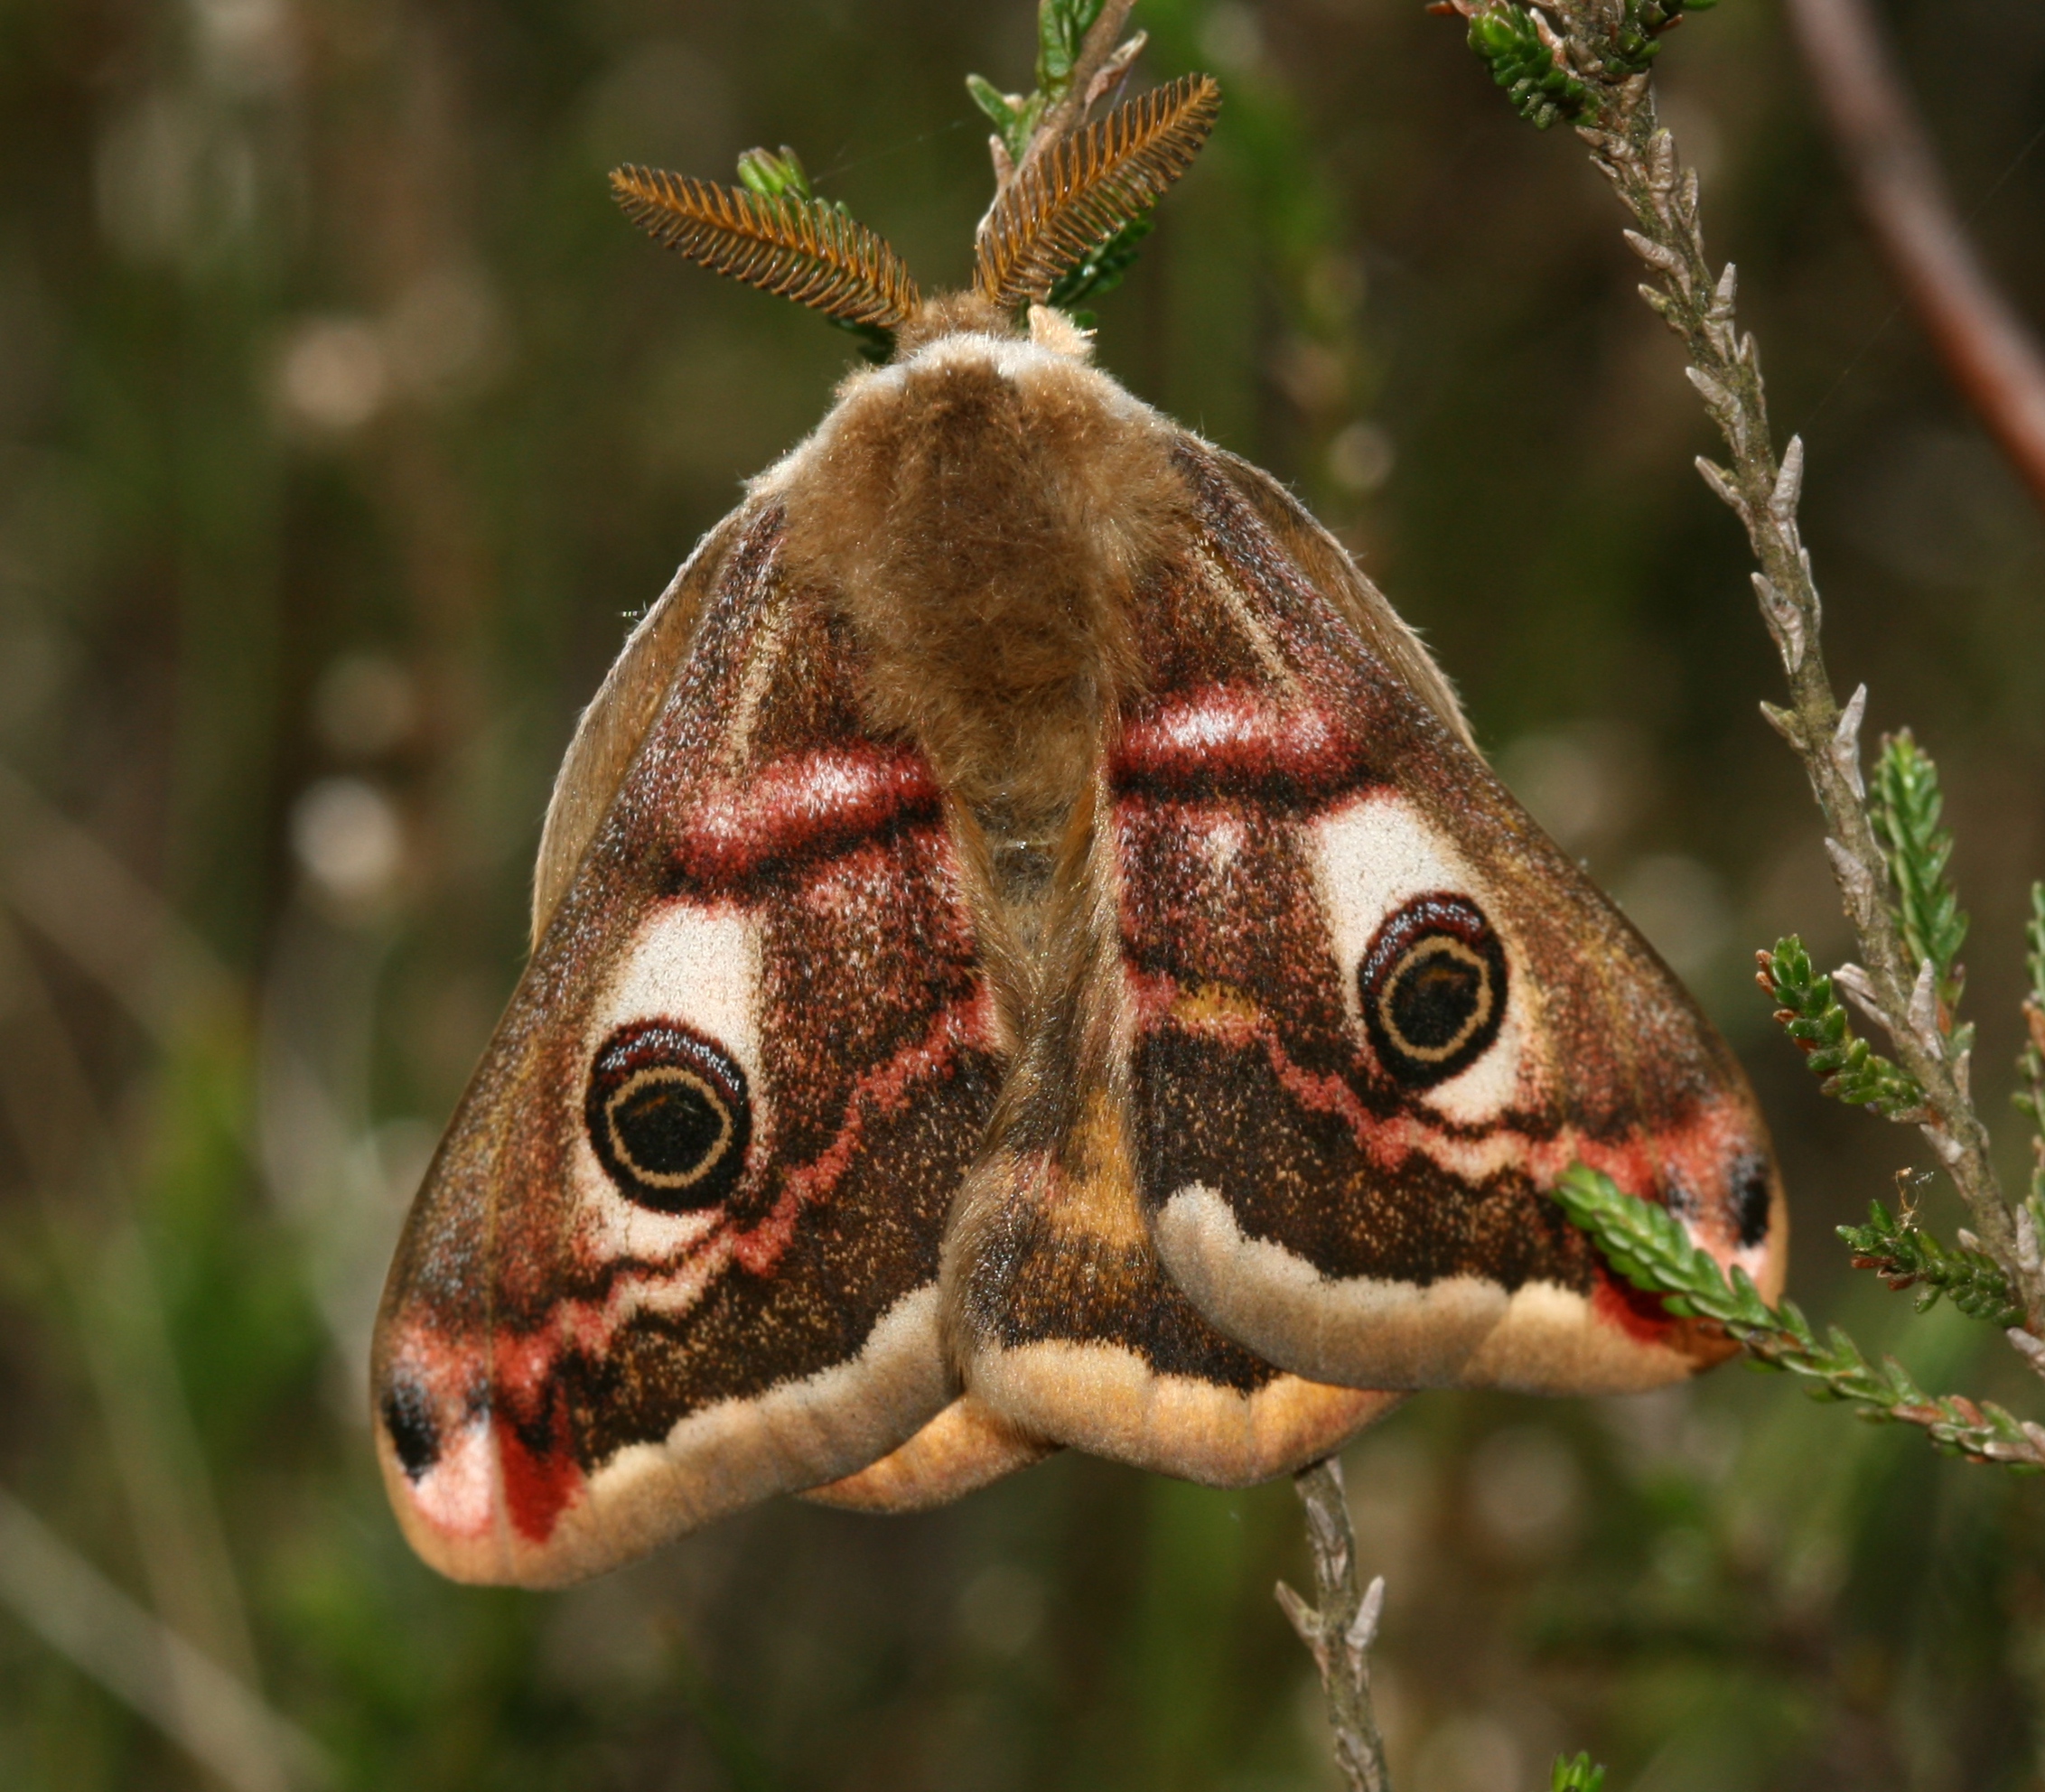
[
  {"x": 1061, "y": 28},
  {"x": 1014, "y": 118},
  {"x": 772, "y": 175},
  {"x": 1815, "y": 1020},
  {"x": 1002, "y": 108},
  {"x": 1575, "y": 1776},
  {"x": 1904, "y": 806}
]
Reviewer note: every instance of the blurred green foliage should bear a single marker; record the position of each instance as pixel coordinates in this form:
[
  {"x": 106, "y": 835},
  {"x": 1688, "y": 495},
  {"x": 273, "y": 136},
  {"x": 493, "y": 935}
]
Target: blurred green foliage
[{"x": 342, "y": 425}]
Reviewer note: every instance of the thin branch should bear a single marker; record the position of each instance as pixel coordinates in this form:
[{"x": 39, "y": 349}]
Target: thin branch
[
  {"x": 1986, "y": 346},
  {"x": 1339, "y": 1630}
]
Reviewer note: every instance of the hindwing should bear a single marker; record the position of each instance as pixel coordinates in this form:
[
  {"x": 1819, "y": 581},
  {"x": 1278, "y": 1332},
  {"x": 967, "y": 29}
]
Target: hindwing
[{"x": 1061, "y": 1318}]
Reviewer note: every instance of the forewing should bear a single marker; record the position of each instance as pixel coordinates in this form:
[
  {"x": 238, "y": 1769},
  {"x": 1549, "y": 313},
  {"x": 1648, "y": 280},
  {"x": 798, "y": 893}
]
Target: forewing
[
  {"x": 678, "y": 1251},
  {"x": 1378, "y": 1012},
  {"x": 609, "y": 732}
]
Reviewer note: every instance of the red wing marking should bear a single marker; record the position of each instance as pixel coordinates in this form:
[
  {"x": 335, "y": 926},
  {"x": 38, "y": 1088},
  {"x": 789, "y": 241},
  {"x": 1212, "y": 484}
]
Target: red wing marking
[
  {"x": 880, "y": 1093},
  {"x": 1230, "y": 737},
  {"x": 539, "y": 1484},
  {"x": 803, "y": 807}
]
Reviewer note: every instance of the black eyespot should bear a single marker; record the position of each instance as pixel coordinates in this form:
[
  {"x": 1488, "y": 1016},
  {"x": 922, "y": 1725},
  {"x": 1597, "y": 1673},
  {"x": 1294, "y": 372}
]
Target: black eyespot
[
  {"x": 408, "y": 1417},
  {"x": 668, "y": 1116},
  {"x": 1434, "y": 989},
  {"x": 1753, "y": 1192}
]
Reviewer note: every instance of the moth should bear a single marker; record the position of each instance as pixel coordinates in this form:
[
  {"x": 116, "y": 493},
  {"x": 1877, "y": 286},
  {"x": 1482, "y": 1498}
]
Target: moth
[{"x": 1026, "y": 953}]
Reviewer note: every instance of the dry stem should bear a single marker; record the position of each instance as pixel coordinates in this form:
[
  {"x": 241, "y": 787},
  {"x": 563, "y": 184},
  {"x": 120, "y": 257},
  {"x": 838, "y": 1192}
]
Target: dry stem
[
  {"x": 1631, "y": 149},
  {"x": 1340, "y": 1629}
]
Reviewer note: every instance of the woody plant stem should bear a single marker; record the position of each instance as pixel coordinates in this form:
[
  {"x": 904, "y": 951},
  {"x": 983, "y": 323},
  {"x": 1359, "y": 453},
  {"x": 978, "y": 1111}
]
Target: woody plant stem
[
  {"x": 1340, "y": 1629},
  {"x": 1638, "y": 156}
]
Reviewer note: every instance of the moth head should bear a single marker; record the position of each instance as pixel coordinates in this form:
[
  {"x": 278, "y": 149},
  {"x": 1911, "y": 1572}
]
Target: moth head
[{"x": 1073, "y": 204}]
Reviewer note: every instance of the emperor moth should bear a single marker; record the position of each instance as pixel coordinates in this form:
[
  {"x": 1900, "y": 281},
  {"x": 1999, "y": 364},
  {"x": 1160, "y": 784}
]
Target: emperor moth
[{"x": 1025, "y": 953}]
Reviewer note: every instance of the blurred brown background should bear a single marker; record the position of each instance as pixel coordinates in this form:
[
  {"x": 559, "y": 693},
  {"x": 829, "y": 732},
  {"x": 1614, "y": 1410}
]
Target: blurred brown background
[{"x": 343, "y": 425}]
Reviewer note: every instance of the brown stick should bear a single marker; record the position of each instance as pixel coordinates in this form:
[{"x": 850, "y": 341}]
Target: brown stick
[
  {"x": 1984, "y": 343},
  {"x": 1339, "y": 1630}
]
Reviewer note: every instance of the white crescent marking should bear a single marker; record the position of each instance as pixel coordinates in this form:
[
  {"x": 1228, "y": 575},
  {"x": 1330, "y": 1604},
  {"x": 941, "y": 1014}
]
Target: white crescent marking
[{"x": 1371, "y": 857}]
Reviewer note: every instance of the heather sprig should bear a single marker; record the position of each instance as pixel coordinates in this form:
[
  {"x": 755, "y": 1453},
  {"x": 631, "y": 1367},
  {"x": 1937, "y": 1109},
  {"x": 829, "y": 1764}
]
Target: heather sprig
[
  {"x": 1575, "y": 1776},
  {"x": 1648, "y": 1245},
  {"x": 2031, "y": 1061},
  {"x": 1905, "y": 1255},
  {"x": 1904, "y": 806},
  {"x": 1815, "y": 1020}
]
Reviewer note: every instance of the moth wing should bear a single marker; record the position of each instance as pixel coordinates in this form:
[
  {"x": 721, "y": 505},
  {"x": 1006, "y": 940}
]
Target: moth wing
[
  {"x": 1325, "y": 564},
  {"x": 966, "y": 1447},
  {"x": 678, "y": 1249},
  {"x": 1378, "y": 1014},
  {"x": 1061, "y": 1319},
  {"x": 609, "y": 732}
]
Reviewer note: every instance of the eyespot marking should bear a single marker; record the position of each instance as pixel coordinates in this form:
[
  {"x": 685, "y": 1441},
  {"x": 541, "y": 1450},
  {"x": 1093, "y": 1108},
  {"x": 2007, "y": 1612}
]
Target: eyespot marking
[
  {"x": 1431, "y": 986},
  {"x": 1755, "y": 1195},
  {"x": 408, "y": 1417},
  {"x": 668, "y": 1116}
]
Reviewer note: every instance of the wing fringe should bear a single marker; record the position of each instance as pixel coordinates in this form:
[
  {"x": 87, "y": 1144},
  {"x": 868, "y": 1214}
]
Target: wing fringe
[
  {"x": 1085, "y": 187},
  {"x": 803, "y": 249}
]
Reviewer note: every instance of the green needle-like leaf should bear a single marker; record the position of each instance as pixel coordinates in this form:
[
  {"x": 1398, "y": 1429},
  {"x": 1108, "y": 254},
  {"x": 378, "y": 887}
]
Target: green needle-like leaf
[
  {"x": 1904, "y": 808},
  {"x": 1818, "y": 1023},
  {"x": 1061, "y": 28},
  {"x": 1575, "y": 1776}
]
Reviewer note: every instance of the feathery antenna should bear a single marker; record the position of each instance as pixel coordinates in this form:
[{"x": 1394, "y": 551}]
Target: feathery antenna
[
  {"x": 1081, "y": 190},
  {"x": 802, "y": 247}
]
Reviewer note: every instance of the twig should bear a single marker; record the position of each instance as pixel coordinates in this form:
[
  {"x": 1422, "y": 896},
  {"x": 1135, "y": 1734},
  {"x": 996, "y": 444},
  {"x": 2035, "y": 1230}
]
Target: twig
[
  {"x": 1340, "y": 1629},
  {"x": 1613, "y": 105},
  {"x": 1646, "y": 1244},
  {"x": 1102, "y": 42},
  {"x": 1028, "y": 127},
  {"x": 1986, "y": 348}
]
